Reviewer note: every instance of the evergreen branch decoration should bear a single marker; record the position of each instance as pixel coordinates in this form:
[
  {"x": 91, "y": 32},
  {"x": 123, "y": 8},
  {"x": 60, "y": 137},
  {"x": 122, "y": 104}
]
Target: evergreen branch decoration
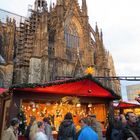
[{"x": 70, "y": 80}]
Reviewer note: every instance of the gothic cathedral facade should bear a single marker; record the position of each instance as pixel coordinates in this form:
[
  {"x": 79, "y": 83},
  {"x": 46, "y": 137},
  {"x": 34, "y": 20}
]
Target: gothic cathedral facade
[{"x": 53, "y": 44}]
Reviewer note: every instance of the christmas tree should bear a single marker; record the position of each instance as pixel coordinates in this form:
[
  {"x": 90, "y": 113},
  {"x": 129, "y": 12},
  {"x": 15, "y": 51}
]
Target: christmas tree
[{"x": 22, "y": 125}]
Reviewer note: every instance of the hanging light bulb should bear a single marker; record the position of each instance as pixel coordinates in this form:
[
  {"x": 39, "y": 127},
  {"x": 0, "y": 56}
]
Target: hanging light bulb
[
  {"x": 78, "y": 105},
  {"x": 48, "y": 103},
  {"x": 89, "y": 105},
  {"x": 34, "y": 109}
]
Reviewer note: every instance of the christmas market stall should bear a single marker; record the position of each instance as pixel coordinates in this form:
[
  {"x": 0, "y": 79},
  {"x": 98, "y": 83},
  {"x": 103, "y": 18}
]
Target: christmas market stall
[
  {"x": 80, "y": 96},
  {"x": 5, "y": 98},
  {"x": 124, "y": 106}
]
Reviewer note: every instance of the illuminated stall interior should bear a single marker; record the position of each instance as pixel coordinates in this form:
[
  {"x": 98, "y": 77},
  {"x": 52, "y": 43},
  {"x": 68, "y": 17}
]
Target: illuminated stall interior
[
  {"x": 125, "y": 107},
  {"x": 56, "y": 111},
  {"x": 135, "y": 110}
]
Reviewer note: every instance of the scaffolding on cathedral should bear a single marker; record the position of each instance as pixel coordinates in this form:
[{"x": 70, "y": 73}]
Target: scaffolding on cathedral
[{"x": 6, "y": 14}]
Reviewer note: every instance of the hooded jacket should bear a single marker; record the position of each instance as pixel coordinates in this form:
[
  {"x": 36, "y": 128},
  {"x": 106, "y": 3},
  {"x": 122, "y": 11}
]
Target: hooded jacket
[
  {"x": 87, "y": 133},
  {"x": 67, "y": 130}
]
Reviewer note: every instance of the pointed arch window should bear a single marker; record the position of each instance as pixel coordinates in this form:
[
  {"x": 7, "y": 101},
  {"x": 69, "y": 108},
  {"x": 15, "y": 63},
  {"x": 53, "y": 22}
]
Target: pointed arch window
[{"x": 71, "y": 36}]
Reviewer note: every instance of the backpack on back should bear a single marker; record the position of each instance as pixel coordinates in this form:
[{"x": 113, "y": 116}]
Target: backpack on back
[{"x": 68, "y": 131}]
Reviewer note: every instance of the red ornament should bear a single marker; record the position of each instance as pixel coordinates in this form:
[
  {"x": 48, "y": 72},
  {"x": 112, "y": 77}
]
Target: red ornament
[{"x": 89, "y": 91}]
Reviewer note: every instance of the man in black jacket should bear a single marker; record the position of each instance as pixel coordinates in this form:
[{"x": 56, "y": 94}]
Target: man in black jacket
[{"x": 132, "y": 129}]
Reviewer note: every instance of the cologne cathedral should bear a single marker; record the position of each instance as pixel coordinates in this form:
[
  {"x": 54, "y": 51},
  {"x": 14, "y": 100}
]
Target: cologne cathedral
[{"x": 56, "y": 41}]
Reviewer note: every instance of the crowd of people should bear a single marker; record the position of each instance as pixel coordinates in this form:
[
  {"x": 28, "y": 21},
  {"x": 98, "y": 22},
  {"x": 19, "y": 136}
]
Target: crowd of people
[{"x": 123, "y": 127}]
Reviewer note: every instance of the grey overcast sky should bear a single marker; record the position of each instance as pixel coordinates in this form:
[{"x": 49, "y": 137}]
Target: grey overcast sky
[{"x": 120, "y": 23}]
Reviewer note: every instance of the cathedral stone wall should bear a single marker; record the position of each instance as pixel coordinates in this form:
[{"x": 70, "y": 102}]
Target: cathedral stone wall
[{"x": 55, "y": 41}]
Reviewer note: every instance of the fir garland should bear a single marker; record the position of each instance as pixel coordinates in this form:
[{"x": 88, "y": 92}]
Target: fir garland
[{"x": 89, "y": 76}]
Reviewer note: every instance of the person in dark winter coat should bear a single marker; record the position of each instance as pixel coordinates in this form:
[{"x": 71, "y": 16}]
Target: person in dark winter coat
[
  {"x": 116, "y": 132},
  {"x": 114, "y": 129},
  {"x": 32, "y": 119},
  {"x": 67, "y": 130},
  {"x": 132, "y": 128}
]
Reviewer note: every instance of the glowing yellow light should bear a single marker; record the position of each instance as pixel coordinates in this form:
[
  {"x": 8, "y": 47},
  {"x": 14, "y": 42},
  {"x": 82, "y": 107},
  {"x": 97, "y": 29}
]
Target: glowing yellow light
[
  {"x": 78, "y": 105},
  {"x": 89, "y": 105},
  {"x": 89, "y": 70},
  {"x": 138, "y": 91},
  {"x": 34, "y": 109}
]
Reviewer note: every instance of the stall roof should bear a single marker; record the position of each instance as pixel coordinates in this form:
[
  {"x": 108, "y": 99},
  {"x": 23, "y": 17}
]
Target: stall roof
[
  {"x": 123, "y": 104},
  {"x": 2, "y": 90},
  {"x": 82, "y": 86}
]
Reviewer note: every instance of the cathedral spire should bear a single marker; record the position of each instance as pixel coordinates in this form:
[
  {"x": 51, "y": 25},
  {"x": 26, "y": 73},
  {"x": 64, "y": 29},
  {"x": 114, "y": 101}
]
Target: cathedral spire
[
  {"x": 101, "y": 35},
  {"x": 96, "y": 28},
  {"x": 84, "y": 7},
  {"x": 50, "y": 5}
]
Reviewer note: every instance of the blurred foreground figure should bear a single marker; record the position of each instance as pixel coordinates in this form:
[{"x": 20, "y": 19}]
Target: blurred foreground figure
[
  {"x": 40, "y": 135},
  {"x": 32, "y": 119},
  {"x": 12, "y": 132},
  {"x": 96, "y": 126},
  {"x": 132, "y": 129},
  {"x": 48, "y": 128},
  {"x": 86, "y": 132}
]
